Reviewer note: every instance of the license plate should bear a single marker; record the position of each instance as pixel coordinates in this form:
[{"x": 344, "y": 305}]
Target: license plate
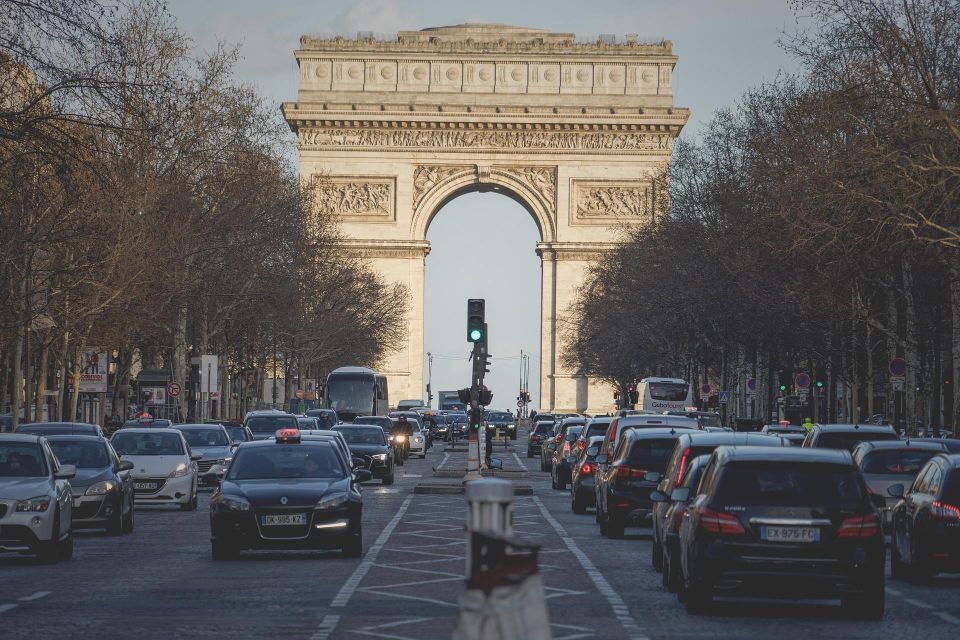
[
  {"x": 145, "y": 486},
  {"x": 285, "y": 519},
  {"x": 790, "y": 534}
]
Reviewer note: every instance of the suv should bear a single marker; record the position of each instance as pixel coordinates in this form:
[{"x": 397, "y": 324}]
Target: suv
[
  {"x": 642, "y": 421},
  {"x": 846, "y": 436},
  {"x": 36, "y": 501},
  {"x": 785, "y": 522},
  {"x": 265, "y": 423},
  {"x": 690, "y": 446},
  {"x": 503, "y": 420},
  {"x": 539, "y": 434}
]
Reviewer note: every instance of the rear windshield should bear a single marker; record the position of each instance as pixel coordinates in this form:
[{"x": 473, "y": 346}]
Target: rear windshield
[
  {"x": 362, "y": 435},
  {"x": 237, "y": 433},
  {"x": 544, "y": 427},
  {"x": 205, "y": 437},
  {"x": 651, "y": 452},
  {"x": 790, "y": 484},
  {"x": 572, "y": 433},
  {"x": 896, "y": 461},
  {"x": 850, "y": 439},
  {"x": 671, "y": 391},
  {"x": 269, "y": 424},
  {"x": 599, "y": 429}
]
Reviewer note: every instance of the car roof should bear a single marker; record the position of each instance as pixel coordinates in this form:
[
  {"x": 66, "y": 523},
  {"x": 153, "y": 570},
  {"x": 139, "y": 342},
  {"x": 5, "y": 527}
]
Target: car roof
[
  {"x": 593, "y": 439},
  {"x": 20, "y": 437},
  {"x": 921, "y": 445},
  {"x": 149, "y": 430},
  {"x": 783, "y": 454},
  {"x": 212, "y": 425},
  {"x": 721, "y": 438},
  {"x": 601, "y": 420},
  {"x": 953, "y": 459},
  {"x": 656, "y": 432},
  {"x": 657, "y": 418},
  {"x": 82, "y": 437},
  {"x": 310, "y": 440},
  {"x": 841, "y": 428}
]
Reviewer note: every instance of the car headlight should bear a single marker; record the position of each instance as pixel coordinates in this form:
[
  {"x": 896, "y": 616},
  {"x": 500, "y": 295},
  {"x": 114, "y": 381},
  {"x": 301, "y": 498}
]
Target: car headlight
[
  {"x": 231, "y": 503},
  {"x": 40, "y": 503},
  {"x": 100, "y": 488},
  {"x": 418, "y": 438},
  {"x": 380, "y": 456},
  {"x": 182, "y": 469},
  {"x": 399, "y": 438},
  {"x": 332, "y": 502},
  {"x": 225, "y": 462}
]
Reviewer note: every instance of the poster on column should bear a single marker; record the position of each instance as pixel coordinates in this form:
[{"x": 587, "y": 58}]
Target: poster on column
[
  {"x": 93, "y": 371},
  {"x": 209, "y": 374}
]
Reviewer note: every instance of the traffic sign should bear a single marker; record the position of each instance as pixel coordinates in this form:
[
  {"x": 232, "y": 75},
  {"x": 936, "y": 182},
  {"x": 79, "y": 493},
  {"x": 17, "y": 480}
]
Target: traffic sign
[
  {"x": 752, "y": 385},
  {"x": 899, "y": 383},
  {"x": 802, "y": 380},
  {"x": 898, "y": 367},
  {"x": 724, "y": 397},
  {"x": 174, "y": 389},
  {"x": 705, "y": 390},
  {"x": 214, "y": 395},
  {"x": 520, "y": 403},
  {"x": 300, "y": 393}
]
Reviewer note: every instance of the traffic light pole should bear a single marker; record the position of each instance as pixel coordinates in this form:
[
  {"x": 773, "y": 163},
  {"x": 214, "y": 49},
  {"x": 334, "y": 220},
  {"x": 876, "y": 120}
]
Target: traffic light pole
[{"x": 477, "y": 394}]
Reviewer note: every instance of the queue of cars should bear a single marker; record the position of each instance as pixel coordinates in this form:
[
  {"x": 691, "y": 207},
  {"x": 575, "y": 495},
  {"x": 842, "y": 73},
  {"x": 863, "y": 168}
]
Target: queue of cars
[{"x": 756, "y": 514}]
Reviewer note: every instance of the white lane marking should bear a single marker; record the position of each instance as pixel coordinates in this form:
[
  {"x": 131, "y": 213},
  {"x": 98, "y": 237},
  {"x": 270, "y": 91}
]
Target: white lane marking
[
  {"x": 519, "y": 461},
  {"x": 377, "y": 633},
  {"x": 327, "y": 625},
  {"x": 894, "y": 592},
  {"x": 947, "y": 617},
  {"x": 446, "y": 456},
  {"x": 6, "y": 607},
  {"x": 350, "y": 586},
  {"x": 412, "y": 475},
  {"x": 634, "y": 631},
  {"x": 34, "y": 596},
  {"x": 917, "y": 603}
]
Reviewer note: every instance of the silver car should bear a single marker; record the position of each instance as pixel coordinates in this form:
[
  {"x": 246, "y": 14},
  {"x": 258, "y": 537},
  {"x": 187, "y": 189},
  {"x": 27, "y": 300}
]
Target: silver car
[
  {"x": 213, "y": 443},
  {"x": 36, "y": 501}
]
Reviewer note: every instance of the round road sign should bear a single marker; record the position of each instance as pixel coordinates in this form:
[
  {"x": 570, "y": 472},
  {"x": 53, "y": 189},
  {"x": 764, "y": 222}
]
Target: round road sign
[
  {"x": 752, "y": 384},
  {"x": 898, "y": 367},
  {"x": 174, "y": 389},
  {"x": 520, "y": 403},
  {"x": 802, "y": 380},
  {"x": 705, "y": 390}
]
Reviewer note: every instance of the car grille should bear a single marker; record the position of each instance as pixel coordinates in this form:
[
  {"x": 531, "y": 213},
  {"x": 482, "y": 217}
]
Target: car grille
[
  {"x": 160, "y": 482},
  {"x": 205, "y": 465},
  {"x": 86, "y": 510}
]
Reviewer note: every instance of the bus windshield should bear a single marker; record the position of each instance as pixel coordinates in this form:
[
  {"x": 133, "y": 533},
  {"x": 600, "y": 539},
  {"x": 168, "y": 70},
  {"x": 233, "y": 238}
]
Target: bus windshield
[
  {"x": 670, "y": 391},
  {"x": 351, "y": 393}
]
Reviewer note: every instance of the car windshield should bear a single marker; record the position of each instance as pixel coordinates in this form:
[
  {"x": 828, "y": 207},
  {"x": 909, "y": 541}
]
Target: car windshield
[
  {"x": 671, "y": 391},
  {"x": 572, "y": 433},
  {"x": 544, "y": 427},
  {"x": 783, "y": 484},
  {"x": 83, "y": 455},
  {"x": 500, "y": 417},
  {"x": 269, "y": 424},
  {"x": 205, "y": 437},
  {"x": 286, "y": 462},
  {"x": 905, "y": 462},
  {"x": 237, "y": 434},
  {"x": 647, "y": 452},
  {"x": 850, "y": 439},
  {"x": 381, "y": 421},
  {"x": 21, "y": 461},
  {"x": 709, "y": 419},
  {"x": 362, "y": 435},
  {"x": 351, "y": 392},
  {"x": 307, "y": 423},
  {"x": 147, "y": 444}
]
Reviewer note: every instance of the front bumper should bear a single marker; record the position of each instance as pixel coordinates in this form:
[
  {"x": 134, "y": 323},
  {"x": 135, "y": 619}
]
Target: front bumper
[
  {"x": 418, "y": 447},
  {"x": 24, "y": 531},
  {"x": 96, "y": 511},
  {"x": 169, "y": 490},
  {"x": 325, "y": 530}
]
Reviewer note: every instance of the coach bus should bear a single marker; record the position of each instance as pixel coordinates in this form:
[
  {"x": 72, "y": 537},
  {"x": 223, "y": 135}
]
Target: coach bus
[
  {"x": 664, "y": 394},
  {"x": 356, "y": 391}
]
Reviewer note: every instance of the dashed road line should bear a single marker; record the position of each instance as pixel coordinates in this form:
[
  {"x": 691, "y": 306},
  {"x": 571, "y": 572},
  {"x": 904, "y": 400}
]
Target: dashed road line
[
  {"x": 327, "y": 625},
  {"x": 34, "y": 596},
  {"x": 947, "y": 617},
  {"x": 917, "y": 603},
  {"x": 519, "y": 461},
  {"x": 7, "y": 607},
  {"x": 634, "y": 631},
  {"x": 894, "y": 592}
]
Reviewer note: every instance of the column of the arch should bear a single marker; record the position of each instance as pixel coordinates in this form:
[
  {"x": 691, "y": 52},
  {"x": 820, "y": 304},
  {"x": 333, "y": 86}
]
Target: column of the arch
[
  {"x": 570, "y": 390},
  {"x": 548, "y": 328}
]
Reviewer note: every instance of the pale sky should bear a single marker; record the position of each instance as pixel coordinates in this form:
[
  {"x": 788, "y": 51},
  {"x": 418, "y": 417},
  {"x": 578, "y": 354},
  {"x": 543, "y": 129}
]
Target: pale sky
[{"x": 724, "y": 46}]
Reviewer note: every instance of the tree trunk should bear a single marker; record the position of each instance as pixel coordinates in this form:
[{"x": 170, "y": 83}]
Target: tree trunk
[
  {"x": 909, "y": 345},
  {"x": 41, "y": 413},
  {"x": 17, "y": 366},
  {"x": 28, "y": 383},
  {"x": 955, "y": 341},
  {"x": 75, "y": 374},
  {"x": 180, "y": 363}
]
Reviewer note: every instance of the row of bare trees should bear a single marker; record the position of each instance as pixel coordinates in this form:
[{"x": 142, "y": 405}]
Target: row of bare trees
[
  {"x": 147, "y": 207},
  {"x": 815, "y": 225}
]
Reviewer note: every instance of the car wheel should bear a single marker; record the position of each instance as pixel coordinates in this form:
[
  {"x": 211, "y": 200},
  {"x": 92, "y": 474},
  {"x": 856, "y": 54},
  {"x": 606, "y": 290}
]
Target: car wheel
[
  {"x": 869, "y": 605},
  {"x": 656, "y": 555},
  {"x": 665, "y": 572},
  {"x": 603, "y": 523},
  {"x": 898, "y": 569},
  {"x": 223, "y": 551},
  {"x": 529, "y": 453},
  {"x": 920, "y": 570},
  {"x": 671, "y": 570},
  {"x": 353, "y": 546},
  {"x": 191, "y": 505},
  {"x": 49, "y": 552},
  {"x": 698, "y": 597},
  {"x": 553, "y": 481},
  {"x": 388, "y": 479},
  {"x": 576, "y": 505}
]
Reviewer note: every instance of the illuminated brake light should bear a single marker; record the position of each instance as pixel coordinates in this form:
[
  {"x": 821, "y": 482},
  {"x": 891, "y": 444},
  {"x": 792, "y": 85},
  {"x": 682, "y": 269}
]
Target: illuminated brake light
[
  {"x": 716, "y": 522},
  {"x": 684, "y": 458},
  {"x": 944, "y": 511},
  {"x": 863, "y": 527},
  {"x": 287, "y": 436},
  {"x": 630, "y": 472},
  {"x": 586, "y": 468},
  {"x": 580, "y": 445}
]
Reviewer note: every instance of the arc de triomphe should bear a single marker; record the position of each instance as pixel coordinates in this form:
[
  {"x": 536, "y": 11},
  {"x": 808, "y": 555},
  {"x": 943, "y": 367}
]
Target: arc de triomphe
[{"x": 571, "y": 131}]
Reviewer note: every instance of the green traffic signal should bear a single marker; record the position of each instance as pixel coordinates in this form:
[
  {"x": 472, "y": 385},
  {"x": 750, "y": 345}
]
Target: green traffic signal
[
  {"x": 783, "y": 387},
  {"x": 475, "y": 335},
  {"x": 819, "y": 384}
]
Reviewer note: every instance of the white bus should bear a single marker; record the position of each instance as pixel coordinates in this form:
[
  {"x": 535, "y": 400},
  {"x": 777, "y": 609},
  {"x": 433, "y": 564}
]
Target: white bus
[
  {"x": 664, "y": 394},
  {"x": 356, "y": 391}
]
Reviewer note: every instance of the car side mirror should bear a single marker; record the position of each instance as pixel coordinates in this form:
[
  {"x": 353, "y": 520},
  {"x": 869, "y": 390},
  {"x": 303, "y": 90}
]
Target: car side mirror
[
  {"x": 66, "y": 472},
  {"x": 680, "y": 494},
  {"x": 212, "y": 477},
  {"x": 124, "y": 465},
  {"x": 658, "y": 496},
  {"x": 362, "y": 475},
  {"x": 196, "y": 456},
  {"x": 602, "y": 458},
  {"x": 896, "y": 490},
  {"x": 652, "y": 476}
]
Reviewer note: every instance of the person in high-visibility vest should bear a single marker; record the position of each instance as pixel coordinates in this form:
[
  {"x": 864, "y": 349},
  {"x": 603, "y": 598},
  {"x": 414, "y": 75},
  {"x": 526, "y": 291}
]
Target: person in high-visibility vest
[{"x": 808, "y": 423}]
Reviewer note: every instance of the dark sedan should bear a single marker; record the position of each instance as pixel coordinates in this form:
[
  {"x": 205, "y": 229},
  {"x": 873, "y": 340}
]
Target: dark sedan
[
  {"x": 560, "y": 465},
  {"x": 369, "y": 443},
  {"x": 539, "y": 434},
  {"x": 287, "y": 493},
  {"x": 582, "y": 472},
  {"x": 60, "y": 429},
  {"x": 103, "y": 490}
]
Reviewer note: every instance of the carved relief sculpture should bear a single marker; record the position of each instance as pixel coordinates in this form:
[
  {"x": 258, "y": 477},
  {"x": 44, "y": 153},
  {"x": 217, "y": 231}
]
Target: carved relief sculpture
[
  {"x": 426, "y": 177},
  {"x": 599, "y": 201},
  {"x": 543, "y": 180},
  {"x": 356, "y": 198}
]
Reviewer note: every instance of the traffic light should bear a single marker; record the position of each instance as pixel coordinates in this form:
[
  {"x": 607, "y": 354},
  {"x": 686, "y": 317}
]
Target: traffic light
[
  {"x": 476, "y": 419},
  {"x": 476, "y": 326},
  {"x": 819, "y": 385},
  {"x": 486, "y": 396},
  {"x": 634, "y": 395},
  {"x": 782, "y": 387}
]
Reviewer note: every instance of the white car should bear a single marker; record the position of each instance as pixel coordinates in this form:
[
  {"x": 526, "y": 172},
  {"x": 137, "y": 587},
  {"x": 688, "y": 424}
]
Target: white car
[
  {"x": 418, "y": 440},
  {"x": 36, "y": 502},
  {"x": 164, "y": 469}
]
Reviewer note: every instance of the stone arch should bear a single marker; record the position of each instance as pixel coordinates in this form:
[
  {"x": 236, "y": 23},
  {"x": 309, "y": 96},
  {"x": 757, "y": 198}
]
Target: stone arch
[{"x": 454, "y": 181}]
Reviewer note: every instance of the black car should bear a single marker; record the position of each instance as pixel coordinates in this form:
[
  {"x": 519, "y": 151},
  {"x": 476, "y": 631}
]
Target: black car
[
  {"x": 237, "y": 432},
  {"x": 103, "y": 487},
  {"x": 265, "y": 424},
  {"x": 690, "y": 445},
  {"x": 676, "y": 505},
  {"x": 926, "y": 522},
  {"x": 539, "y": 434},
  {"x": 846, "y": 436},
  {"x": 503, "y": 420},
  {"x": 625, "y": 481},
  {"x": 61, "y": 429},
  {"x": 327, "y": 418},
  {"x": 370, "y": 444},
  {"x": 566, "y": 446},
  {"x": 594, "y": 427},
  {"x": 583, "y": 493},
  {"x": 783, "y": 522},
  {"x": 157, "y": 423},
  {"x": 287, "y": 493}
]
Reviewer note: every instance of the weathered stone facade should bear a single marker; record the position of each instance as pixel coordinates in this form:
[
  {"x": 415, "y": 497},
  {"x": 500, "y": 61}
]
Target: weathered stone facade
[{"x": 573, "y": 131}]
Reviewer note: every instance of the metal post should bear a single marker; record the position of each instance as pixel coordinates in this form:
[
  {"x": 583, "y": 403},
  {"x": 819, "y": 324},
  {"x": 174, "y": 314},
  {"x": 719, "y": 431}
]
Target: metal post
[{"x": 489, "y": 508}]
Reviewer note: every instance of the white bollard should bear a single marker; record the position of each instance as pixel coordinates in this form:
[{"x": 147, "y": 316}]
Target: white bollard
[{"x": 489, "y": 508}]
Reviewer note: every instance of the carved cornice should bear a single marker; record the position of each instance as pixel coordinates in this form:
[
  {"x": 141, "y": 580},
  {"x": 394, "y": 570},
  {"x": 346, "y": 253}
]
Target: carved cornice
[
  {"x": 399, "y": 249},
  {"x": 676, "y": 119},
  {"x": 574, "y": 251}
]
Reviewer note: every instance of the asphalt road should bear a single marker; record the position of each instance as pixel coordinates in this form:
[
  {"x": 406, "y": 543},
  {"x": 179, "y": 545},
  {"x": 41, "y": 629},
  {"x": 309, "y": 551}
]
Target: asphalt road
[{"x": 160, "y": 582}]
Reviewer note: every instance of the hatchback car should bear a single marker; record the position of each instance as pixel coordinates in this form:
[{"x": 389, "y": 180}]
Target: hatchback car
[
  {"x": 287, "y": 493},
  {"x": 164, "y": 470},
  {"x": 370, "y": 443},
  {"x": 926, "y": 522},
  {"x": 783, "y": 522},
  {"x": 36, "y": 501},
  {"x": 625, "y": 481},
  {"x": 565, "y": 446},
  {"x": 846, "y": 436},
  {"x": 102, "y": 487},
  {"x": 213, "y": 443},
  {"x": 539, "y": 434},
  {"x": 583, "y": 492}
]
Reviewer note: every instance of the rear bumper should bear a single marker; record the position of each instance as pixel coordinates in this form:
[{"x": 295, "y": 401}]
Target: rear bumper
[{"x": 585, "y": 491}]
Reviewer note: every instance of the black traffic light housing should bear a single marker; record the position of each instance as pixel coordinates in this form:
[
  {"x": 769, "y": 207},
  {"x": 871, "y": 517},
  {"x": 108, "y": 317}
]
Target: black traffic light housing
[
  {"x": 634, "y": 394},
  {"x": 486, "y": 396},
  {"x": 476, "y": 323}
]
